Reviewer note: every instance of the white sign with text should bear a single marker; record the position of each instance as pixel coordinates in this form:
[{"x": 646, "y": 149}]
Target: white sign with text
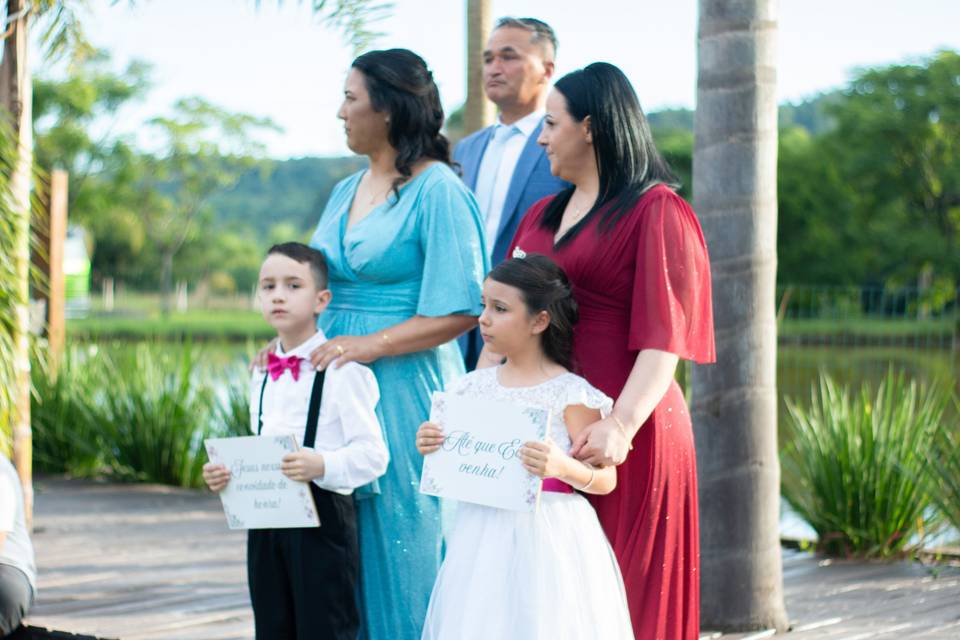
[
  {"x": 258, "y": 495},
  {"x": 479, "y": 460}
]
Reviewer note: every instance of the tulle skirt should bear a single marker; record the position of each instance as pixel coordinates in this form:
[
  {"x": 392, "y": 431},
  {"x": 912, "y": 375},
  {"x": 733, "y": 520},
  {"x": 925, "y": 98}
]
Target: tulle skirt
[{"x": 549, "y": 575}]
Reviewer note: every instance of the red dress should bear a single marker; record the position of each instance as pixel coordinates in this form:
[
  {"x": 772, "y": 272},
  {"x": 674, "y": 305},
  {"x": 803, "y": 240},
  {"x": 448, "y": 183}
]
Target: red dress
[{"x": 644, "y": 284}]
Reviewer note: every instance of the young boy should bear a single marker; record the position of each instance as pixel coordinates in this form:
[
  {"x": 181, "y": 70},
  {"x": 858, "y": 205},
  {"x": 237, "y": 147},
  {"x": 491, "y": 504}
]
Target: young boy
[{"x": 303, "y": 581}]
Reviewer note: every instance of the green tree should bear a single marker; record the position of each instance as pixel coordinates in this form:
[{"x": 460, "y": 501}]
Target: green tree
[
  {"x": 205, "y": 149},
  {"x": 818, "y": 239},
  {"x": 66, "y": 112},
  {"x": 897, "y": 136}
]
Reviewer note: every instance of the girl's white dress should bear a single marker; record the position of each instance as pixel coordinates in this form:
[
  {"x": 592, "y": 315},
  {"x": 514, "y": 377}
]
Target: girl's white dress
[{"x": 545, "y": 575}]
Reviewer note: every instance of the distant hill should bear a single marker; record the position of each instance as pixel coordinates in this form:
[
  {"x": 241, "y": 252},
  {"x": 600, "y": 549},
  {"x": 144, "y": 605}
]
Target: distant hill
[
  {"x": 292, "y": 191},
  {"x": 671, "y": 119},
  {"x": 809, "y": 114},
  {"x": 295, "y": 191}
]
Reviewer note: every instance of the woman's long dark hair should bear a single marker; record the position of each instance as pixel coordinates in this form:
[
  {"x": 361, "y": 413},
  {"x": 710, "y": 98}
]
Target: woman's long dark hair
[
  {"x": 401, "y": 85},
  {"x": 544, "y": 287},
  {"x": 627, "y": 159}
]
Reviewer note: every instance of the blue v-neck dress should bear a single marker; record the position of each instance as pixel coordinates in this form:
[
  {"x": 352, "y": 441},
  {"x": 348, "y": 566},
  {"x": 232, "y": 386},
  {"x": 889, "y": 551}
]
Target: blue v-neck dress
[{"x": 422, "y": 255}]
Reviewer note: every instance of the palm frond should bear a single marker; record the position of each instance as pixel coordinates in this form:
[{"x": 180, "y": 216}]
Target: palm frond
[{"x": 10, "y": 303}]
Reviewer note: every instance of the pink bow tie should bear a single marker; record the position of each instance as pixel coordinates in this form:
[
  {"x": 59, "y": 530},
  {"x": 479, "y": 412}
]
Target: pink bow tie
[{"x": 276, "y": 365}]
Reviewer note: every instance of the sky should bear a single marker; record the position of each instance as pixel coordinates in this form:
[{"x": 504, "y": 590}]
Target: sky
[{"x": 282, "y": 63}]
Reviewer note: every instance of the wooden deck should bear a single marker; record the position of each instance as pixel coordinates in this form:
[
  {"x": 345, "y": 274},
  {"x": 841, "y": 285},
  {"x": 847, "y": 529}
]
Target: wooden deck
[{"x": 145, "y": 562}]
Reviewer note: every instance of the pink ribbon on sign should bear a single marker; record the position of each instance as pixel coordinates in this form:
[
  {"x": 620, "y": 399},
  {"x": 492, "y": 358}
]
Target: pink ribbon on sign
[{"x": 276, "y": 366}]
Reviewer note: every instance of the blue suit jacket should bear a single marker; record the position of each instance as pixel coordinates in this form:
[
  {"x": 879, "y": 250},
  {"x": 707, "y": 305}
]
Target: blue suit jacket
[{"x": 530, "y": 182}]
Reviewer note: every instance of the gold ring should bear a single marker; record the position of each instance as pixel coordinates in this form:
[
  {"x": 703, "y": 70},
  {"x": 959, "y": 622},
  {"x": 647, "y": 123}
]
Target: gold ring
[{"x": 339, "y": 349}]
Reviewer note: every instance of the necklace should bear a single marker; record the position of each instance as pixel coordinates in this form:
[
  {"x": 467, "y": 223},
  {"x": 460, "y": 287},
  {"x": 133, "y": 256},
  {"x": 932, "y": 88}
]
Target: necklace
[
  {"x": 379, "y": 193},
  {"x": 578, "y": 212}
]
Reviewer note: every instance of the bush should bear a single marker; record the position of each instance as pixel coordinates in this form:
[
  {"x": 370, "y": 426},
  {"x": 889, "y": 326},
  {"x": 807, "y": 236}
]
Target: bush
[
  {"x": 156, "y": 413},
  {"x": 945, "y": 470},
  {"x": 857, "y": 467},
  {"x": 140, "y": 414},
  {"x": 67, "y": 433},
  {"x": 233, "y": 411}
]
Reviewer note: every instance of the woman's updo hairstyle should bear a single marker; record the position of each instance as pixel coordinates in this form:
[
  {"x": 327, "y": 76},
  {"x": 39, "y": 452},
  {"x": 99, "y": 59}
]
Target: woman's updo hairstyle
[
  {"x": 401, "y": 85},
  {"x": 544, "y": 287}
]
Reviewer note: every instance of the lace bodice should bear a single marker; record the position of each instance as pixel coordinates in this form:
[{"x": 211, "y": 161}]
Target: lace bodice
[{"x": 556, "y": 394}]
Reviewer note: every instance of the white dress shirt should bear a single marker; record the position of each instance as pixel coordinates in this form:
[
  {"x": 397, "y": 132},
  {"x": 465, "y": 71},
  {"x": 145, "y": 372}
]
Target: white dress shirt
[
  {"x": 348, "y": 432},
  {"x": 496, "y": 170}
]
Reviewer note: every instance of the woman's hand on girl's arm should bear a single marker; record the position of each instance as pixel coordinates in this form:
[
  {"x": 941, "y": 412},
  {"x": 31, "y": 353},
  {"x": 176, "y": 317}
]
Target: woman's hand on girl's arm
[
  {"x": 607, "y": 442},
  {"x": 601, "y": 444},
  {"x": 429, "y": 438},
  {"x": 546, "y": 460}
]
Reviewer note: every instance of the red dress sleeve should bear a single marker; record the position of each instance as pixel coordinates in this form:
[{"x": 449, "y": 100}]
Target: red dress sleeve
[
  {"x": 530, "y": 218},
  {"x": 671, "y": 308}
]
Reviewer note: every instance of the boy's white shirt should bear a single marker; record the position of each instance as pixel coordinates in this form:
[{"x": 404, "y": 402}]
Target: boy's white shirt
[{"x": 348, "y": 432}]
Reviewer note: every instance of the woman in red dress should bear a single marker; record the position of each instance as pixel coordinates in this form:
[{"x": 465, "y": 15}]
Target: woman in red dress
[{"x": 636, "y": 256}]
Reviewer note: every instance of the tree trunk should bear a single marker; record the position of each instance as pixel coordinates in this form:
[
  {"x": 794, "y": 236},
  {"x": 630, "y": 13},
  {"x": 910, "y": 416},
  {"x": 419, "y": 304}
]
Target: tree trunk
[
  {"x": 735, "y": 401},
  {"x": 16, "y": 97},
  {"x": 478, "y": 112}
]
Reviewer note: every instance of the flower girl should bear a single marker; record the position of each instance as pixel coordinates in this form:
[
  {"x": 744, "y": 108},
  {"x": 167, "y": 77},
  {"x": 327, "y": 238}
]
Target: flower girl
[{"x": 548, "y": 574}]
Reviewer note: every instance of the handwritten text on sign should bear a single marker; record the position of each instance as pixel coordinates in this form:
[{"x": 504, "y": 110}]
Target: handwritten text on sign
[
  {"x": 479, "y": 460},
  {"x": 259, "y": 496}
]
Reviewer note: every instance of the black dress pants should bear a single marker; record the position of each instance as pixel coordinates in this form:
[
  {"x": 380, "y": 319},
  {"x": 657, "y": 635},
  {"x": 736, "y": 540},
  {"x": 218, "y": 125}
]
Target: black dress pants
[
  {"x": 16, "y": 597},
  {"x": 303, "y": 582}
]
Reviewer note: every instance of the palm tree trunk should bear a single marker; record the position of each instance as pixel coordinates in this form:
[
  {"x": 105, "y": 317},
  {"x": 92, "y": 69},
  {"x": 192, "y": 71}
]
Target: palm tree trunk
[
  {"x": 735, "y": 401},
  {"x": 479, "y": 111},
  {"x": 17, "y": 98}
]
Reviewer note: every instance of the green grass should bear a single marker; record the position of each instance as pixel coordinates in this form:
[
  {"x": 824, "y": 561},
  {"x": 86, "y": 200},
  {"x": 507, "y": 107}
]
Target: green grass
[
  {"x": 144, "y": 322},
  {"x": 194, "y": 325},
  {"x": 868, "y": 327}
]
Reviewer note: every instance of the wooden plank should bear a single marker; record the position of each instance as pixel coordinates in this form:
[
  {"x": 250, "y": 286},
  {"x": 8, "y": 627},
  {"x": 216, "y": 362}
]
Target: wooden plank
[
  {"x": 138, "y": 563},
  {"x": 56, "y": 302}
]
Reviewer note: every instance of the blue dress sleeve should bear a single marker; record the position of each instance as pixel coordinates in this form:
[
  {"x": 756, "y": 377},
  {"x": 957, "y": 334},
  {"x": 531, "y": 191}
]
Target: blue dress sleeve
[{"x": 455, "y": 255}]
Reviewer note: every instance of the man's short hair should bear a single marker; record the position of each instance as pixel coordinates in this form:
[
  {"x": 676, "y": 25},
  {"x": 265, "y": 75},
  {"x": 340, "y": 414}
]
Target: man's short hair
[
  {"x": 542, "y": 32},
  {"x": 304, "y": 254}
]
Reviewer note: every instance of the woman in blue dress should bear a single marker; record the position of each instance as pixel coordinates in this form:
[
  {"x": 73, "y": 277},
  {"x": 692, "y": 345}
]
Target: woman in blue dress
[{"x": 404, "y": 245}]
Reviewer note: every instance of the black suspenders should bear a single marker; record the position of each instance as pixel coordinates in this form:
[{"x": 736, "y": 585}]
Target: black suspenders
[{"x": 313, "y": 413}]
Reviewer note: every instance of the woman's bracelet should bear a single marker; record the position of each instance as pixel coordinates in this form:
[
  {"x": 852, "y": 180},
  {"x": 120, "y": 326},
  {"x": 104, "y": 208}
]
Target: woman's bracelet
[
  {"x": 387, "y": 342},
  {"x": 593, "y": 475},
  {"x": 623, "y": 429}
]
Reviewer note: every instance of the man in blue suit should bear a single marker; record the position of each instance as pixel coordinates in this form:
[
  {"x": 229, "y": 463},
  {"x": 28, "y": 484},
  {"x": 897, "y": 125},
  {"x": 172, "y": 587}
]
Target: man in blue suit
[{"x": 503, "y": 164}]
